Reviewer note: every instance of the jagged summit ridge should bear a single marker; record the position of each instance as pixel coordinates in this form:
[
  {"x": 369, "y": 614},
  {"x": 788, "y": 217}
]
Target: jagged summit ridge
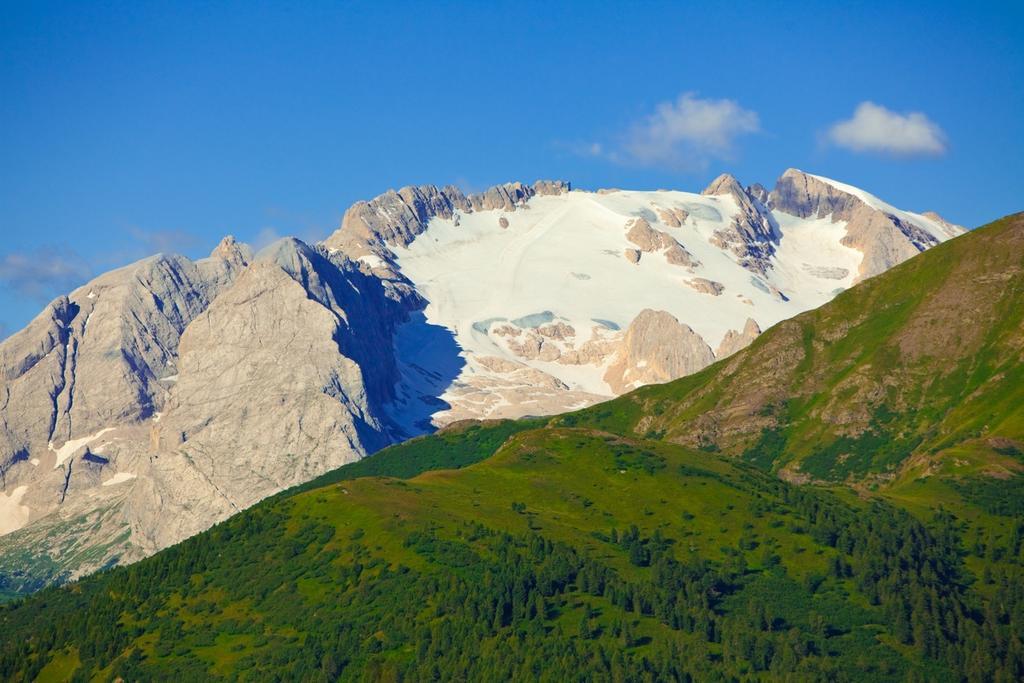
[{"x": 395, "y": 218}]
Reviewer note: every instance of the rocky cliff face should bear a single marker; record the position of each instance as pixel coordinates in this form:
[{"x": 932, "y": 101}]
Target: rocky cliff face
[
  {"x": 885, "y": 236},
  {"x": 163, "y": 396},
  {"x": 171, "y": 394},
  {"x": 751, "y": 234},
  {"x": 656, "y": 348}
]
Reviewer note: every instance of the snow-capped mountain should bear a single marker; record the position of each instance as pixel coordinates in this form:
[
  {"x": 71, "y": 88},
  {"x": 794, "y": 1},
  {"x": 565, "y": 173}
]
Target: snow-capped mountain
[
  {"x": 542, "y": 288},
  {"x": 163, "y": 396}
]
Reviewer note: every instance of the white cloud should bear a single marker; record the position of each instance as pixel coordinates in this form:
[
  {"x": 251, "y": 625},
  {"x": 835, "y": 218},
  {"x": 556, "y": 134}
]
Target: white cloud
[
  {"x": 265, "y": 237},
  {"x": 43, "y": 273},
  {"x": 685, "y": 134},
  {"x": 162, "y": 241},
  {"x": 873, "y": 128}
]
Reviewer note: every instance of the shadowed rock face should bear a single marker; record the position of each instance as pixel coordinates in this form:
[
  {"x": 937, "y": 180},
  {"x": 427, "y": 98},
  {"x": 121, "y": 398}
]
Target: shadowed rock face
[
  {"x": 752, "y": 235},
  {"x": 268, "y": 366},
  {"x": 173, "y": 393}
]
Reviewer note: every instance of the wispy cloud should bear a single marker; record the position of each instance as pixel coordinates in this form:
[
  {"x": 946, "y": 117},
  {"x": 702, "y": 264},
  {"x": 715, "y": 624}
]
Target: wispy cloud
[
  {"x": 47, "y": 271},
  {"x": 43, "y": 273},
  {"x": 685, "y": 134},
  {"x": 265, "y": 237},
  {"x": 873, "y": 128},
  {"x": 148, "y": 242}
]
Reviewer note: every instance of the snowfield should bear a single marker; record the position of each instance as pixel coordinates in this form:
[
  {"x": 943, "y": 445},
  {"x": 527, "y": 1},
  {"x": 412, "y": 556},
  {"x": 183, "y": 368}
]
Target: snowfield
[{"x": 565, "y": 254}]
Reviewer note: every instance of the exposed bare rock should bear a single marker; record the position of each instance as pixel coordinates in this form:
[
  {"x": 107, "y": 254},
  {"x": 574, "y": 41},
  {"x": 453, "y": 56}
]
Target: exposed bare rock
[
  {"x": 656, "y": 348},
  {"x": 510, "y": 390},
  {"x": 706, "y": 286},
  {"x": 673, "y": 217},
  {"x": 260, "y": 368},
  {"x": 724, "y": 183},
  {"x": 508, "y": 331},
  {"x": 644, "y": 236},
  {"x": 827, "y": 272},
  {"x": 396, "y": 218},
  {"x": 499, "y": 365},
  {"x": 79, "y": 379},
  {"x": 752, "y": 235},
  {"x": 502, "y": 222},
  {"x": 549, "y": 188},
  {"x": 557, "y": 330},
  {"x": 632, "y": 255},
  {"x": 640, "y": 233},
  {"x": 594, "y": 351},
  {"x": 534, "y": 346},
  {"x": 758, "y": 192},
  {"x": 734, "y": 341},
  {"x": 235, "y": 253},
  {"x": 885, "y": 239},
  {"x": 678, "y": 256}
]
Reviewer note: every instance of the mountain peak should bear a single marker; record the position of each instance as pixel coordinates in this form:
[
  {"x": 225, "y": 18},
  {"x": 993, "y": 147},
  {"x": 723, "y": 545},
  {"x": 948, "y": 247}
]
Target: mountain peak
[
  {"x": 232, "y": 251},
  {"x": 725, "y": 183}
]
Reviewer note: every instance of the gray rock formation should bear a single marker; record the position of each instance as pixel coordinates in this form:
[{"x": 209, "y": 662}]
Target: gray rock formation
[
  {"x": 884, "y": 238},
  {"x": 706, "y": 286},
  {"x": 734, "y": 341},
  {"x": 83, "y": 377},
  {"x": 656, "y": 348},
  {"x": 647, "y": 239},
  {"x": 673, "y": 217},
  {"x": 752, "y": 234},
  {"x": 396, "y": 218},
  {"x": 172, "y": 394},
  {"x": 270, "y": 364}
]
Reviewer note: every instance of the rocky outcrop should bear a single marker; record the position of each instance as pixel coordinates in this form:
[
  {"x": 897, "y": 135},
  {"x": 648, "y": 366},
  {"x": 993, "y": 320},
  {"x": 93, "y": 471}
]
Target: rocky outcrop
[
  {"x": 734, "y": 341},
  {"x": 759, "y": 192},
  {"x": 674, "y": 217},
  {"x": 395, "y": 218},
  {"x": 752, "y": 234},
  {"x": 656, "y": 348},
  {"x": 269, "y": 366},
  {"x": 705, "y": 286},
  {"x": 885, "y": 239},
  {"x": 647, "y": 239},
  {"x": 84, "y": 377},
  {"x": 174, "y": 393}
]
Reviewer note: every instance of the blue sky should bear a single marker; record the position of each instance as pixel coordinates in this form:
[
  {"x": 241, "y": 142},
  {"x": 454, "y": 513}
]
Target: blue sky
[{"x": 130, "y": 128}]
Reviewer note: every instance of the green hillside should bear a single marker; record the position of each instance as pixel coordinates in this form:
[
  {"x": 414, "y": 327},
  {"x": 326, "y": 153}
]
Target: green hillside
[
  {"x": 568, "y": 550},
  {"x": 649, "y": 538}
]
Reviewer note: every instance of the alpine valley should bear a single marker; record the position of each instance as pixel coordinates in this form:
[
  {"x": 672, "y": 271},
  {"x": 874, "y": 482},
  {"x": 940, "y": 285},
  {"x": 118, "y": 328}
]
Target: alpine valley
[
  {"x": 162, "y": 397},
  {"x": 840, "y": 500}
]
